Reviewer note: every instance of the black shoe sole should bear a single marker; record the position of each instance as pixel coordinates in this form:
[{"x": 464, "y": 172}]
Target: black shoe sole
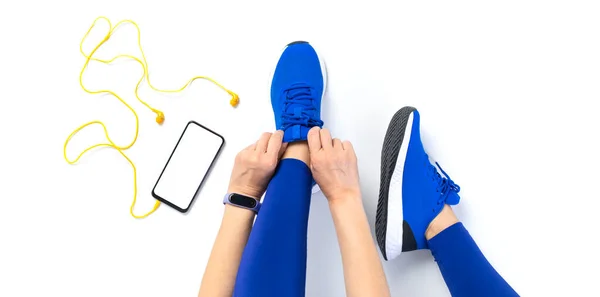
[{"x": 394, "y": 138}]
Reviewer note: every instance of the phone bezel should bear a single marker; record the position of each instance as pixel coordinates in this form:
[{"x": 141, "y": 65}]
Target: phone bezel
[{"x": 167, "y": 202}]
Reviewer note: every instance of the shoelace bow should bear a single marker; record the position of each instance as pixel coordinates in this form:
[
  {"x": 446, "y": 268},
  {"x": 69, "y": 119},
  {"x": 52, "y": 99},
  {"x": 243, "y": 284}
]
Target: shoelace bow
[
  {"x": 299, "y": 97},
  {"x": 445, "y": 186}
]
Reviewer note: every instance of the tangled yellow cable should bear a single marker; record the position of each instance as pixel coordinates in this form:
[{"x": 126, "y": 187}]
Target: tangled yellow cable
[{"x": 160, "y": 117}]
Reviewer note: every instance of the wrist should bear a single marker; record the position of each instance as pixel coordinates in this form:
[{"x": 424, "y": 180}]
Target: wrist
[
  {"x": 237, "y": 213},
  {"x": 345, "y": 201},
  {"x": 348, "y": 213},
  {"x": 246, "y": 191},
  {"x": 345, "y": 198}
]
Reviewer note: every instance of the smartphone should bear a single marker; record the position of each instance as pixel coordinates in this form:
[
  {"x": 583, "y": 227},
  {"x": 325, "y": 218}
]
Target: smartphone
[{"x": 187, "y": 167}]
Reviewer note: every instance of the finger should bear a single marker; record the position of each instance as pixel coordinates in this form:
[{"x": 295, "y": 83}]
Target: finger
[
  {"x": 337, "y": 144},
  {"x": 348, "y": 146},
  {"x": 326, "y": 142},
  {"x": 314, "y": 140},
  {"x": 349, "y": 149},
  {"x": 275, "y": 142},
  {"x": 263, "y": 142},
  {"x": 250, "y": 147},
  {"x": 282, "y": 150}
]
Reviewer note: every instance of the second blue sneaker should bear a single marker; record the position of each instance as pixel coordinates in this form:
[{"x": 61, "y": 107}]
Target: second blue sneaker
[
  {"x": 413, "y": 191},
  {"x": 297, "y": 90}
]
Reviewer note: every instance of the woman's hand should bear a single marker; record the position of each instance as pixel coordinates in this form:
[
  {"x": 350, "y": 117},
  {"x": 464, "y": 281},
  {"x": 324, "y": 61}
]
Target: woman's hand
[
  {"x": 334, "y": 167},
  {"x": 254, "y": 166},
  {"x": 333, "y": 164}
]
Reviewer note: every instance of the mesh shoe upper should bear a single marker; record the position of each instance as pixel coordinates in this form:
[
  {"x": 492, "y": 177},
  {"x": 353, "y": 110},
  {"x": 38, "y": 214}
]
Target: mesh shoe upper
[
  {"x": 296, "y": 91},
  {"x": 425, "y": 190}
]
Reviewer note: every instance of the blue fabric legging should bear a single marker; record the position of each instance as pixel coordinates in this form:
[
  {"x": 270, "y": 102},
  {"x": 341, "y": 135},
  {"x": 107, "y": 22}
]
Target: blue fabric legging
[
  {"x": 274, "y": 260},
  {"x": 464, "y": 267}
]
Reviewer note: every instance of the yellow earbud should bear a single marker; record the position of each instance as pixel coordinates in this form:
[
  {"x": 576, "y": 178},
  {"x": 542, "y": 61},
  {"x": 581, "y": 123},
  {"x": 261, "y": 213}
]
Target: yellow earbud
[
  {"x": 160, "y": 117},
  {"x": 235, "y": 99}
]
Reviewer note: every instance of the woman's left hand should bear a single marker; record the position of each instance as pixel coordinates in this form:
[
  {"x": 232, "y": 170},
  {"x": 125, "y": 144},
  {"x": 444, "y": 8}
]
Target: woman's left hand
[{"x": 254, "y": 166}]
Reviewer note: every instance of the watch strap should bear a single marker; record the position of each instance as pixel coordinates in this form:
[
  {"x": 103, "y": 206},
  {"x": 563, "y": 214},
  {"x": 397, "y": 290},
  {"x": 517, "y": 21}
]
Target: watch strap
[{"x": 242, "y": 201}]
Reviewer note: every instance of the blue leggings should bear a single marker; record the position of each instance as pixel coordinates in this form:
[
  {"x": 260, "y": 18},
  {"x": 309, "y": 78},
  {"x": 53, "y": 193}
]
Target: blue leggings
[
  {"x": 464, "y": 267},
  {"x": 274, "y": 260}
]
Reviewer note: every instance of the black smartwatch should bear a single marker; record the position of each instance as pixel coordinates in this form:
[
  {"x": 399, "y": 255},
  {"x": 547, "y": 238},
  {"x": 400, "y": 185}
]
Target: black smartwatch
[{"x": 242, "y": 201}]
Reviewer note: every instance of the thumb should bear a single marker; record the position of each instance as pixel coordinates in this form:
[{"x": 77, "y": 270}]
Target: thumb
[{"x": 314, "y": 140}]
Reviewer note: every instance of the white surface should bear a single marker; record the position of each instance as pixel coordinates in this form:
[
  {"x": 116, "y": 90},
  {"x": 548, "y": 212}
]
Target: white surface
[
  {"x": 188, "y": 165},
  {"x": 508, "y": 93},
  {"x": 394, "y": 229}
]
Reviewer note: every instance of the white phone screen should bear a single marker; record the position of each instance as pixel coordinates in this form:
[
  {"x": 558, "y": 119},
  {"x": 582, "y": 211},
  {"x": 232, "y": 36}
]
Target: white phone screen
[{"x": 187, "y": 167}]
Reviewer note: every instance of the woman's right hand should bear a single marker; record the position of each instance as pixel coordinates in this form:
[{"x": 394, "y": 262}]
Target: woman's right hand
[
  {"x": 254, "y": 166},
  {"x": 334, "y": 166}
]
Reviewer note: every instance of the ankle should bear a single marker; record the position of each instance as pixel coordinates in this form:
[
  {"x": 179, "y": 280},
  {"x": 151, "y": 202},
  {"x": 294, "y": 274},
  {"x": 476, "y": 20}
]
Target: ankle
[
  {"x": 441, "y": 222},
  {"x": 297, "y": 150}
]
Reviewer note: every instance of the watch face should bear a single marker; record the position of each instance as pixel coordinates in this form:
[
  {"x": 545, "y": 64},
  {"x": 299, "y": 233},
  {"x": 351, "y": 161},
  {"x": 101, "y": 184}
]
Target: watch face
[{"x": 242, "y": 200}]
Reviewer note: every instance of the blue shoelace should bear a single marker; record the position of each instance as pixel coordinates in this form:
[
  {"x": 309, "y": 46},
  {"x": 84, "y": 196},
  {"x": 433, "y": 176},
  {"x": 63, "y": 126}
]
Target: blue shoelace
[
  {"x": 298, "y": 108},
  {"x": 445, "y": 186}
]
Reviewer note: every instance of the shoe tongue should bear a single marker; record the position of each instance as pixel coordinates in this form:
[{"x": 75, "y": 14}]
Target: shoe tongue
[
  {"x": 299, "y": 107},
  {"x": 295, "y": 133}
]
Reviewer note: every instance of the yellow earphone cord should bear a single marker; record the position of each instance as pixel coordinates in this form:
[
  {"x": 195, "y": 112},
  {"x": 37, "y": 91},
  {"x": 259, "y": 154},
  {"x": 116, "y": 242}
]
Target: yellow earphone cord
[{"x": 160, "y": 117}]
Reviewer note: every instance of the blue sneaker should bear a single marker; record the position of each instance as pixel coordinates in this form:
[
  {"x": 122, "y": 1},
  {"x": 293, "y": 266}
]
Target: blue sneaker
[
  {"x": 413, "y": 191},
  {"x": 297, "y": 90}
]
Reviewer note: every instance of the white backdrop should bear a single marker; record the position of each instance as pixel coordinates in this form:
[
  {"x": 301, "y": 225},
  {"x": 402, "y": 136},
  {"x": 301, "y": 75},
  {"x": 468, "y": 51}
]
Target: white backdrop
[{"x": 508, "y": 93}]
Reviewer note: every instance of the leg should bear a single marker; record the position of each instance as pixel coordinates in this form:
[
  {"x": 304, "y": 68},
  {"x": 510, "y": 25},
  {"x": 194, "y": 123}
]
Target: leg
[
  {"x": 413, "y": 212},
  {"x": 274, "y": 261},
  {"x": 464, "y": 267}
]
